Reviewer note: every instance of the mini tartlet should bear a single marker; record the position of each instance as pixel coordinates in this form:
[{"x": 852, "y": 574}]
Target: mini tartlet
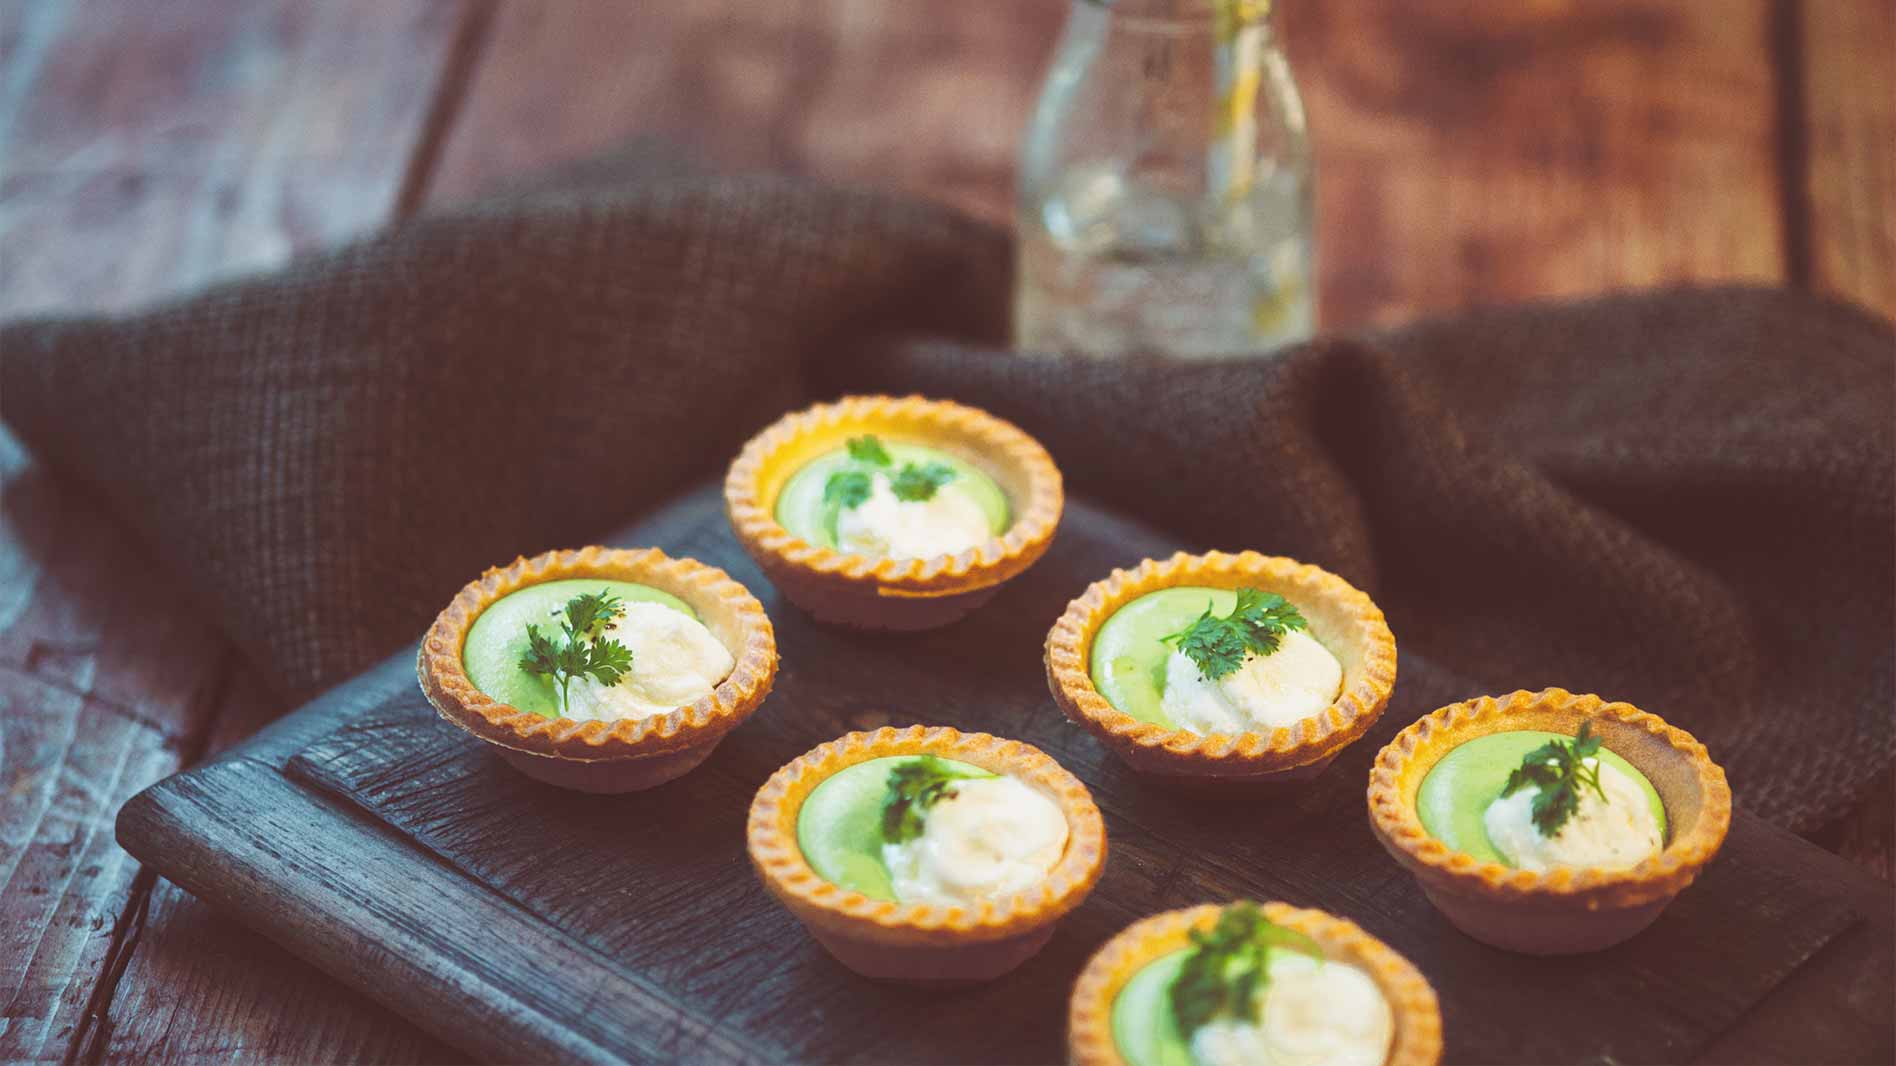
[
  {"x": 1346, "y": 621},
  {"x": 1090, "y": 1041},
  {"x": 918, "y": 941},
  {"x": 880, "y": 593},
  {"x": 1563, "y": 910},
  {"x": 600, "y": 756}
]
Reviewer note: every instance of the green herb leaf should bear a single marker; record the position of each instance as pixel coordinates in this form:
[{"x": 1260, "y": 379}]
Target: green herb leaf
[
  {"x": 608, "y": 660},
  {"x": 847, "y": 488},
  {"x": 589, "y": 614},
  {"x": 1266, "y": 617},
  {"x": 914, "y": 787},
  {"x": 1257, "y": 624},
  {"x": 867, "y": 449},
  {"x": 543, "y": 654},
  {"x": 1561, "y": 771},
  {"x": 1215, "y": 645},
  {"x": 919, "y": 482},
  {"x": 1230, "y": 966},
  {"x": 578, "y": 651}
]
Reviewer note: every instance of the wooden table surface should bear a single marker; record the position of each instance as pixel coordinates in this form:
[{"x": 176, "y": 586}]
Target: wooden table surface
[{"x": 1470, "y": 152}]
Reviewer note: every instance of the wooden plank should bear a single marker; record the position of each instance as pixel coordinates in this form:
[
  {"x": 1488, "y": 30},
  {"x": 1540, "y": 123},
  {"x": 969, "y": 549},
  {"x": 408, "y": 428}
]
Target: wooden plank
[
  {"x": 145, "y": 149},
  {"x": 1469, "y": 153},
  {"x": 201, "y": 986},
  {"x": 1849, "y": 96},
  {"x": 926, "y": 98},
  {"x": 148, "y": 148},
  {"x": 105, "y": 673},
  {"x": 1489, "y": 151},
  {"x": 418, "y": 937},
  {"x": 72, "y": 758},
  {"x": 192, "y": 983}
]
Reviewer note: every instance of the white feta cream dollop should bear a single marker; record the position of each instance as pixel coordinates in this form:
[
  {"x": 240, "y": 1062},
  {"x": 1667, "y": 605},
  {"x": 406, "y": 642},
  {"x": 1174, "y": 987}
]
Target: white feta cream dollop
[
  {"x": 1313, "y": 1012},
  {"x": 1296, "y": 681},
  {"x": 1616, "y": 832},
  {"x": 675, "y": 662},
  {"x": 947, "y": 523},
  {"x": 993, "y": 837}
]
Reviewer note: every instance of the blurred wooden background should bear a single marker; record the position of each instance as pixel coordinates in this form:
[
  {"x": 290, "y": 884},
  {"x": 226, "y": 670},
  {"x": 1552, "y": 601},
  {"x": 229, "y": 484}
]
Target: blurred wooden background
[{"x": 1469, "y": 152}]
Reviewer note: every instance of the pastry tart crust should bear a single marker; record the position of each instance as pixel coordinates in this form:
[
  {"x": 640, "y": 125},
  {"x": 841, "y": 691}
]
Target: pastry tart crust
[
  {"x": 594, "y": 755},
  {"x": 924, "y": 941},
  {"x": 1565, "y": 909},
  {"x": 1418, "y": 1036},
  {"x": 878, "y": 593},
  {"x": 1344, "y": 620}
]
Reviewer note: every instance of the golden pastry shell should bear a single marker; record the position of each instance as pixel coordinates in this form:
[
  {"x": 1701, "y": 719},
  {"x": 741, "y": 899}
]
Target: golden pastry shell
[
  {"x": 848, "y": 587},
  {"x": 725, "y": 607},
  {"x": 1346, "y": 620},
  {"x": 772, "y": 837},
  {"x": 1418, "y": 1036},
  {"x": 1692, "y": 787}
]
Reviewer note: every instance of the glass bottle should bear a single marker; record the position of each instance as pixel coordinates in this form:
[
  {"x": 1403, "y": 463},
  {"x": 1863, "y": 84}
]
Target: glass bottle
[{"x": 1165, "y": 187}]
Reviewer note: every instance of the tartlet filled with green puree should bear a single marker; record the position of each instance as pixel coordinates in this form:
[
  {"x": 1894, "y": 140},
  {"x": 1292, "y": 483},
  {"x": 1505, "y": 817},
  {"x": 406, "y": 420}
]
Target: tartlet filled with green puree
[
  {"x": 601, "y": 670},
  {"x": 891, "y": 499},
  {"x": 1549, "y": 822},
  {"x": 927, "y": 854},
  {"x": 1236, "y": 667},
  {"x": 892, "y": 513},
  {"x": 1268, "y": 985}
]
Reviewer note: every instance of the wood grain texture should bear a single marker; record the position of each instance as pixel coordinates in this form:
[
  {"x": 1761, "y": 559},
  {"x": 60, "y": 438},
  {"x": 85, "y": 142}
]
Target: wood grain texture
[
  {"x": 199, "y": 986},
  {"x": 1849, "y": 97},
  {"x": 145, "y": 149},
  {"x": 1489, "y": 151},
  {"x": 1469, "y": 153},
  {"x": 398, "y": 925},
  {"x": 105, "y": 674},
  {"x": 656, "y": 890},
  {"x": 193, "y": 984},
  {"x": 923, "y": 98},
  {"x": 148, "y": 148}
]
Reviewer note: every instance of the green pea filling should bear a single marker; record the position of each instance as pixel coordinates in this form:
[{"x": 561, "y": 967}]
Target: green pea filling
[
  {"x": 839, "y": 827},
  {"x": 1454, "y": 797},
  {"x": 803, "y": 509},
  {"x": 498, "y": 638}
]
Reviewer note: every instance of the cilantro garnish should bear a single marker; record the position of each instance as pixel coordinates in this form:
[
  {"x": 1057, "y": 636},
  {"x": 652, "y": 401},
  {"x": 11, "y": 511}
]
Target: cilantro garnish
[
  {"x": 919, "y": 482},
  {"x": 1560, "y": 769},
  {"x": 847, "y": 488},
  {"x": 1229, "y": 967},
  {"x": 1257, "y": 623},
  {"x": 867, "y": 449},
  {"x": 578, "y": 650},
  {"x": 914, "y": 787}
]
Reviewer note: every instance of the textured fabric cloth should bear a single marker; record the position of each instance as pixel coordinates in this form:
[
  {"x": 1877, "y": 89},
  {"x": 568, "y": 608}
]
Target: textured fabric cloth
[{"x": 1682, "y": 499}]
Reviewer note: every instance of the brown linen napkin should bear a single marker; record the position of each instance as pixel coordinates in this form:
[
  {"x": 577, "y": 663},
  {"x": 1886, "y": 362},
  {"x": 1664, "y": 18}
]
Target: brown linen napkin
[{"x": 1683, "y": 499}]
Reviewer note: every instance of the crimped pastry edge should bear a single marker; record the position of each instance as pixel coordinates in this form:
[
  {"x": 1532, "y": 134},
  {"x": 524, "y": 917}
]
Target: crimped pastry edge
[
  {"x": 1393, "y": 815},
  {"x": 707, "y": 589},
  {"x": 1418, "y": 1039},
  {"x": 772, "y": 840},
  {"x": 912, "y": 417},
  {"x": 1181, "y": 751}
]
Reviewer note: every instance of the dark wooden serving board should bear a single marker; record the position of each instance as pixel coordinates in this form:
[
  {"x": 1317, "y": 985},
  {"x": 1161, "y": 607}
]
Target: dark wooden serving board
[{"x": 518, "y": 921}]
